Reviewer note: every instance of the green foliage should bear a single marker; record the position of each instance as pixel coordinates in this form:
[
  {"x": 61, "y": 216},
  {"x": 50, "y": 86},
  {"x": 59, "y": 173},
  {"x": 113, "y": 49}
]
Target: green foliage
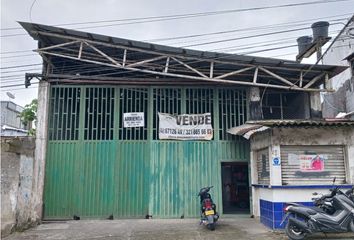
[{"x": 29, "y": 114}]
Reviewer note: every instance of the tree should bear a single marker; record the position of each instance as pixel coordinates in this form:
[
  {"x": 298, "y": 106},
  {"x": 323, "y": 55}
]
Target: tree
[{"x": 29, "y": 115}]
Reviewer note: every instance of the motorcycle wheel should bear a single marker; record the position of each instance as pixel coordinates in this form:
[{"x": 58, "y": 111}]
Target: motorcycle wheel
[
  {"x": 293, "y": 232},
  {"x": 211, "y": 226}
]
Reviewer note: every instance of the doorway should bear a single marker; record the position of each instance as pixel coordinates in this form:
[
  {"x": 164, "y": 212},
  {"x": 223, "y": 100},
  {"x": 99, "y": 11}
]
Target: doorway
[{"x": 235, "y": 188}]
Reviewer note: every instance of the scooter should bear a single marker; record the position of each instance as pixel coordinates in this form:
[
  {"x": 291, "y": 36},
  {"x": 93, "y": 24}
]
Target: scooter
[
  {"x": 209, "y": 216},
  {"x": 307, "y": 220}
]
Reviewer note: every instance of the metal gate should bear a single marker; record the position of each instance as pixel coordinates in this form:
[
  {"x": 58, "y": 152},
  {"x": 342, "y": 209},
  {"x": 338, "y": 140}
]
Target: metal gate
[
  {"x": 333, "y": 165},
  {"x": 95, "y": 167}
]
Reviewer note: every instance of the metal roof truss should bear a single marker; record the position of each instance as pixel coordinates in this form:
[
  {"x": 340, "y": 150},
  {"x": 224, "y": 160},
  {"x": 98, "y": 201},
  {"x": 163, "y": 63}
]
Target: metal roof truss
[{"x": 179, "y": 66}]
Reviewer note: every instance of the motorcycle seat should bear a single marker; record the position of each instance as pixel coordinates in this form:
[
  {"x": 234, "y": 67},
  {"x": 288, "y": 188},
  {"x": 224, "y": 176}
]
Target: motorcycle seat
[
  {"x": 317, "y": 210},
  {"x": 312, "y": 211}
]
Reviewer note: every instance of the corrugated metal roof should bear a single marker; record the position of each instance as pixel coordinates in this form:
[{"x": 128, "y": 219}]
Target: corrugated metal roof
[
  {"x": 33, "y": 29},
  {"x": 303, "y": 123},
  {"x": 250, "y": 127}
]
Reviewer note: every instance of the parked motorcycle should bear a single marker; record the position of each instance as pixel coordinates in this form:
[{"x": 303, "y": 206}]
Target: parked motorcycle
[
  {"x": 209, "y": 216},
  {"x": 323, "y": 203},
  {"x": 304, "y": 220}
]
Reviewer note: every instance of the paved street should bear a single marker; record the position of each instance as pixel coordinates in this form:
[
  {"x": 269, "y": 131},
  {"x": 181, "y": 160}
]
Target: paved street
[{"x": 177, "y": 229}]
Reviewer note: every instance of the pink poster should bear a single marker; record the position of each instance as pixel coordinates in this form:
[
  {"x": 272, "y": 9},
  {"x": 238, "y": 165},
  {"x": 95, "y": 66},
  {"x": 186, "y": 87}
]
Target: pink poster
[{"x": 311, "y": 163}]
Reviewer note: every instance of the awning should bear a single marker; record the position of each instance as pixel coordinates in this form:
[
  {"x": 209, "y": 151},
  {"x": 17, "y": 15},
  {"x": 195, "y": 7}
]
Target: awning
[{"x": 247, "y": 130}]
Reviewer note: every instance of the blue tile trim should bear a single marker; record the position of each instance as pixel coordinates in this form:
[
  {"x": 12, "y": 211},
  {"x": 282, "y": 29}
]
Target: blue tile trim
[
  {"x": 301, "y": 186},
  {"x": 272, "y": 213}
]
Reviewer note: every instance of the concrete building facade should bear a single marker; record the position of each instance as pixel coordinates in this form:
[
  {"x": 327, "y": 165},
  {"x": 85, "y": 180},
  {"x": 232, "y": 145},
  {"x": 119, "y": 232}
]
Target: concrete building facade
[{"x": 341, "y": 52}]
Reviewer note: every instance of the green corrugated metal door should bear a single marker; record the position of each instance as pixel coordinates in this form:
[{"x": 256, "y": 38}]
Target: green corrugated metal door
[{"x": 96, "y": 167}]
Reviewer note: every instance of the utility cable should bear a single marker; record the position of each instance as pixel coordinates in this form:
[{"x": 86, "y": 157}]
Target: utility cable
[{"x": 182, "y": 16}]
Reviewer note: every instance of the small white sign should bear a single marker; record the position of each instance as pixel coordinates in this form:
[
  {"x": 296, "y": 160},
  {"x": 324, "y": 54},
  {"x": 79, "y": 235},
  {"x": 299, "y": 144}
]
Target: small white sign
[{"x": 133, "y": 119}]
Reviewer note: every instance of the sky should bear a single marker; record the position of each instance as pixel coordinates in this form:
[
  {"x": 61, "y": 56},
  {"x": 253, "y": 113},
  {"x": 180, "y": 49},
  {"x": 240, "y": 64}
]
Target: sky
[{"x": 244, "y": 22}]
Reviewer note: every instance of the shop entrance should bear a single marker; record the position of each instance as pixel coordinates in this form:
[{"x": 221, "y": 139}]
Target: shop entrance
[{"x": 235, "y": 188}]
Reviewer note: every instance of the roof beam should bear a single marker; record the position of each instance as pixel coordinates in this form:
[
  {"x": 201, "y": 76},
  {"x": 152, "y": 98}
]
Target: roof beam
[
  {"x": 103, "y": 54},
  {"x": 215, "y": 80},
  {"x": 211, "y": 72},
  {"x": 255, "y": 76},
  {"x": 315, "y": 79},
  {"x": 234, "y": 72},
  {"x": 159, "y": 53},
  {"x": 59, "y": 45},
  {"x": 189, "y": 67},
  {"x": 277, "y": 76},
  {"x": 145, "y": 61}
]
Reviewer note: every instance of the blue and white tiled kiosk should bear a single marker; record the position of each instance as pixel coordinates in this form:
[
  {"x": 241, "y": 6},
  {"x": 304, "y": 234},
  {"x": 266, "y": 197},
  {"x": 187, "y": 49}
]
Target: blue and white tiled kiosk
[{"x": 282, "y": 152}]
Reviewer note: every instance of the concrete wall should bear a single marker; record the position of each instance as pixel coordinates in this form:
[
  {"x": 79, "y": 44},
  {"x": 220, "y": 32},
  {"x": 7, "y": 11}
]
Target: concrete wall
[
  {"x": 17, "y": 161},
  {"x": 9, "y": 114},
  {"x": 336, "y": 54},
  {"x": 269, "y": 200},
  {"x": 343, "y": 99}
]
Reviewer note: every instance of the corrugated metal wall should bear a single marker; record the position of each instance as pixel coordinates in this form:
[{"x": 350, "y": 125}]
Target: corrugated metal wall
[
  {"x": 102, "y": 168},
  {"x": 333, "y": 165}
]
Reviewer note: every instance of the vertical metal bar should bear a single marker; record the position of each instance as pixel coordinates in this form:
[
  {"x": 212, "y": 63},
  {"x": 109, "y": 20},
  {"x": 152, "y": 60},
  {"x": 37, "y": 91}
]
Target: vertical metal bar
[
  {"x": 97, "y": 110},
  {"x": 91, "y": 99},
  {"x": 167, "y": 64},
  {"x": 245, "y": 105},
  {"x": 62, "y": 102},
  {"x": 124, "y": 57},
  {"x": 136, "y": 130},
  {"x": 108, "y": 113},
  {"x": 234, "y": 106},
  {"x": 239, "y": 111},
  {"x": 130, "y": 110},
  {"x": 255, "y": 76},
  {"x": 102, "y": 117},
  {"x": 229, "y": 113},
  {"x": 281, "y": 106},
  {"x": 68, "y": 115},
  {"x": 216, "y": 120},
  {"x": 82, "y": 113},
  {"x": 116, "y": 113},
  {"x": 150, "y": 112},
  {"x": 183, "y": 100},
  {"x": 165, "y": 100},
  {"x": 136, "y": 105},
  {"x": 211, "y": 74},
  {"x": 80, "y": 50},
  {"x": 73, "y": 114},
  {"x": 55, "y": 115}
]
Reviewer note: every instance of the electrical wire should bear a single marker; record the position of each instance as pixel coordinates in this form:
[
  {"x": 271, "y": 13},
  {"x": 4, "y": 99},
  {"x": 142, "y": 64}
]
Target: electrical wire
[
  {"x": 30, "y": 11},
  {"x": 16, "y": 85},
  {"x": 183, "y": 16},
  {"x": 286, "y": 24}
]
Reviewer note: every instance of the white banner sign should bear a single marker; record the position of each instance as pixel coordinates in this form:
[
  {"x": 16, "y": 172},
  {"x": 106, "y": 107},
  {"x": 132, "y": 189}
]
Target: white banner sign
[
  {"x": 133, "y": 119},
  {"x": 185, "y": 126}
]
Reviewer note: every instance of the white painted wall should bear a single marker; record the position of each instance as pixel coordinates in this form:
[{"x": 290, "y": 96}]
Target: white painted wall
[{"x": 341, "y": 48}]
